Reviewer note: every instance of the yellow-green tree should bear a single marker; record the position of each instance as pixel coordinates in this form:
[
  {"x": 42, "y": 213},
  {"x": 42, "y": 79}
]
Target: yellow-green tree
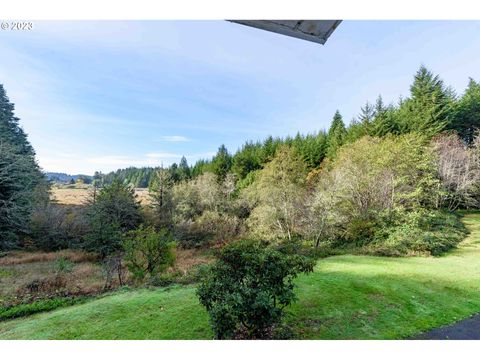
[{"x": 278, "y": 196}]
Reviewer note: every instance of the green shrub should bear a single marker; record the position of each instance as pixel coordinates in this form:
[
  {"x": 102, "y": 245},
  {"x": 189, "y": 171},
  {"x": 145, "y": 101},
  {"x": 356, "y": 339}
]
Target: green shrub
[
  {"x": 114, "y": 211},
  {"x": 191, "y": 276},
  {"x": 104, "y": 238},
  {"x": 5, "y": 273},
  {"x": 194, "y": 274},
  {"x": 54, "y": 226},
  {"x": 246, "y": 290},
  {"x": 165, "y": 279},
  {"x": 360, "y": 231},
  {"x": 421, "y": 233},
  {"x": 148, "y": 251},
  {"x": 11, "y": 312},
  {"x": 63, "y": 265}
]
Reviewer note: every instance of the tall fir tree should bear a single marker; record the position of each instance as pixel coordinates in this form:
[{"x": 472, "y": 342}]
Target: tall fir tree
[
  {"x": 366, "y": 117},
  {"x": 336, "y": 135},
  {"x": 10, "y": 130},
  {"x": 247, "y": 159},
  {"x": 428, "y": 110},
  {"x": 466, "y": 120},
  {"x": 384, "y": 122},
  {"x": 22, "y": 185},
  {"x": 200, "y": 167},
  {"x": 222, "y": 163},
  {"x": 184, "y": 171},
  {"x": 161, "y": 193},
  {"x": 269, "y": 148}
]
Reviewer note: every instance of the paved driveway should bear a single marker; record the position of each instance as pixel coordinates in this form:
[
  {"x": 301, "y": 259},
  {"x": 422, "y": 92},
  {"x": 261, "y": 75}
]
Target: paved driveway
[{"x": 468, "y": 329}]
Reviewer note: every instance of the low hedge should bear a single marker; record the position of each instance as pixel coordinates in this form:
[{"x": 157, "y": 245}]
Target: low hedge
[{"x": 16, "y": 311}]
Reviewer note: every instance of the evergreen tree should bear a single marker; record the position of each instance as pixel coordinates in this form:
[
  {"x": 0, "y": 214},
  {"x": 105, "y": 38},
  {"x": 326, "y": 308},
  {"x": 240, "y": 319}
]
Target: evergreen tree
[
  {"x": 384, "y": 122},
  {"x": 336, "y": 135},
  {"x": 22, "y": 184},
  {"x": 366, "y": 118},
  {"x": 10, "y": 130},
  {"x": 184, "y": 172},
  {"x": 247, "y": 159},
  {"x": 200, "y": 167},
  {"x": 173, "y": 172},
  {"x": 380, "y": 107},
  {"x": 466, "y": 119},
  {"x": 269, "y": 148},
  {"x": 162, "y": 199},
  {"x": 428, "y": 110},
  {"x": 117, "y": 203},
  {"x": 222, "y": 163},
  {"x": 354, "y": 131},
  {"x": 312, "y": 148}
]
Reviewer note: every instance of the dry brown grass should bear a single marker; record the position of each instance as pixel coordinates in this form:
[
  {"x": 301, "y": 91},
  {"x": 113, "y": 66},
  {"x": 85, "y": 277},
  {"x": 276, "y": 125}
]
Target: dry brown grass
[
  {"x": 67, "y": 196},
  {"x": 24, "y": 257},
  {"x": 81, "y": 195},
  {"x": 188, "y": 258},
  {"x": 30, "y": 276}
]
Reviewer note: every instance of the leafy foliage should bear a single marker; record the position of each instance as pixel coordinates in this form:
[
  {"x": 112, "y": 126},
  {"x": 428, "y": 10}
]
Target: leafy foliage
[
  {"x": 246, "y": 290},
  {"x": 114, "y": 212},
  {"x": 419, "y": 233},
  {"x": 148, "y": 251},
  {"x": 204, "y": 210},
  {"x": 372, "y": 179},
  {"x": 458, "y": 168},
  {"x": 62, "y": 265},
  {"x": 278, "y": 195},
  {"x": 103, "y": 238},
  {"x": 54, "y": 227},
  {"x": 12, "y": 312}
]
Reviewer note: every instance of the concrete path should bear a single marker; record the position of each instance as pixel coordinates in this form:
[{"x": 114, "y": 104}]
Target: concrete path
[{"x": 468, "y": 329}]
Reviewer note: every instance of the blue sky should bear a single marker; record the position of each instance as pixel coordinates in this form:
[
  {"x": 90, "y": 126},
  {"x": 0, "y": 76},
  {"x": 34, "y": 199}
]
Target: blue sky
[{"x": 107, "y": 95}]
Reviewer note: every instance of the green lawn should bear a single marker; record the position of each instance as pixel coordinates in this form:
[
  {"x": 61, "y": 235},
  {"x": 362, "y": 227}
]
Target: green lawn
[{"x": 347, "y": 297}]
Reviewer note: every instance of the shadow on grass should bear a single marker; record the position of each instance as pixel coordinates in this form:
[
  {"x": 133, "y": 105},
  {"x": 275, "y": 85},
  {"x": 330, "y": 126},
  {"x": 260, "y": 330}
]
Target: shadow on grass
[{"x": 350, "y": 305}]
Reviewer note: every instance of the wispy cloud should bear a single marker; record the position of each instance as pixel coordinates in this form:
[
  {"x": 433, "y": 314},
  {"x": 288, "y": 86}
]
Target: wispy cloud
[
  {"x": 163, "y": 155},
  {"x": 175, "y": 138}
]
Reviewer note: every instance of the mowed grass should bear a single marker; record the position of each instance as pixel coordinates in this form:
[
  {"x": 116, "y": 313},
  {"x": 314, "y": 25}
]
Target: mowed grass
[
  {"x": 347, "y": 297},
  {"x": 162, "y": 314}
]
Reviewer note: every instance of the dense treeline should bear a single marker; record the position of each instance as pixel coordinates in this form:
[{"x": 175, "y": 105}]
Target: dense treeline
[
  {"x": 381, "y": 184},
  {"x": 387, "y": 177},
  {"x": 431, "y": 108}
]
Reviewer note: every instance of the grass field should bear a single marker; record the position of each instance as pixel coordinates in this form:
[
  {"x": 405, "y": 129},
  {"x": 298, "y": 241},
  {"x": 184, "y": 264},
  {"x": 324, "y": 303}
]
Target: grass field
[
  {"x": 347, "y": 297},
  {"x": 21, "y": 268},
  {"x": 80, "y": 194}
]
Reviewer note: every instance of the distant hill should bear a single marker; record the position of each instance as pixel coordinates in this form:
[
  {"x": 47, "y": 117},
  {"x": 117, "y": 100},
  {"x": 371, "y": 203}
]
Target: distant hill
[{"x": 66, "y": 178}]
